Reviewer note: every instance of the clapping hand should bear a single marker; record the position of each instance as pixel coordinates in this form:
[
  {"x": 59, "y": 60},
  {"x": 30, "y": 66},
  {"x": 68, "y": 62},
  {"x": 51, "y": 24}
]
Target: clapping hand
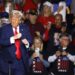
[
  {"x": 25, "y": 41},
  {"x": 58, "y": 53},
  {"x": 17, "y": 36},
  {"x": 34, "y": 55},
  {"x": 64, "y": 53}
]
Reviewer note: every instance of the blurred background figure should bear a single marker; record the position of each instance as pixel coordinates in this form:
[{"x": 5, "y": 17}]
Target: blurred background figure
[
  {"x": 62, "y": 10},
  {"x": 9, "y": 7},
  {"x": 59, "y": 57},
  {"x": 46, "y": 17},
  {"x": 38, "y": 62},
  {"x": 36, "y": 28},
  {"x": 72, "y": 7}
]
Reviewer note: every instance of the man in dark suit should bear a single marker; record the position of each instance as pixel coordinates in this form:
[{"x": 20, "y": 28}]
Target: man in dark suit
[{"x": 15, "y": 40}]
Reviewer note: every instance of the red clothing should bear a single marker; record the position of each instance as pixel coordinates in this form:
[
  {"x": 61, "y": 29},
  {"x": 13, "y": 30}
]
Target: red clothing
[
  {"x": 17, "y": 7},
  {"x": 1, "y": 8},
  {"x": 44, "y": 20},
  {"x": 17, "y": 45},
  {"x": 46, "y": 35},
  {"x": 73, "y": 42},
  {"x": 29, "y": 5}
]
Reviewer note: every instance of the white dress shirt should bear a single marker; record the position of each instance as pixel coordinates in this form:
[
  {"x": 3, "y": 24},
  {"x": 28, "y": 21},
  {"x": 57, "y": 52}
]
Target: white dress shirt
[
  {"x": 54, "y": 57},
  {"x": 12, "y": 40}
]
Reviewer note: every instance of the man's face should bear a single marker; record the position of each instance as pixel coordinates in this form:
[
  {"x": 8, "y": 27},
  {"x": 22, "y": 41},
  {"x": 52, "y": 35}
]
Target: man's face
[
  {"x": 58, "y": 19},
  {"x": 32, "y": 18},
  {"x": 64, "y": 41},
  {"x": 15, "y": 20}
]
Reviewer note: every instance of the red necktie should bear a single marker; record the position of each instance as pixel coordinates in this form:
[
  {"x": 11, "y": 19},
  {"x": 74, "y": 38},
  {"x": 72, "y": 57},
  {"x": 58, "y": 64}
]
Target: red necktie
[{"x": 17, "y": 44}]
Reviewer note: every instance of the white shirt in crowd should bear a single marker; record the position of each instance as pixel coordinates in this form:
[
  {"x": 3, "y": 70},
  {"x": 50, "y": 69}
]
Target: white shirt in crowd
[{"x": 54, "y": 57}]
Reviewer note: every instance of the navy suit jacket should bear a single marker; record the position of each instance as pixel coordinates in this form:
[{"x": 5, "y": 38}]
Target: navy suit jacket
[{"x": 7, "y": 52}]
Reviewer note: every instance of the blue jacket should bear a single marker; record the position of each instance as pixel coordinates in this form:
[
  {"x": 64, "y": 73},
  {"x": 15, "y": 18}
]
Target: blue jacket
[{"x": 7, "y": 52}]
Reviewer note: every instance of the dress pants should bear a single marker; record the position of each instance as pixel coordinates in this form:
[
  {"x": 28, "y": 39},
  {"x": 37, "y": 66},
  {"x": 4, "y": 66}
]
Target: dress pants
[{"x": 18, "y": 68}]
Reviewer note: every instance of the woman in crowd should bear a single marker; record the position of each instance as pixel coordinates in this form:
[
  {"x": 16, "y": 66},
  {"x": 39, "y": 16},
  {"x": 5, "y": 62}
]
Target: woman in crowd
[{"x": 38, "y": 62}]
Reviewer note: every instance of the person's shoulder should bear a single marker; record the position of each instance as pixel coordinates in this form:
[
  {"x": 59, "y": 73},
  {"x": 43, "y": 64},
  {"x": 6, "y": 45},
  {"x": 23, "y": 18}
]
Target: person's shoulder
[
  {"x": 5, "y": 28},
  {"x": 6, "y": 25},
  {"x": 23, "y": 25}
]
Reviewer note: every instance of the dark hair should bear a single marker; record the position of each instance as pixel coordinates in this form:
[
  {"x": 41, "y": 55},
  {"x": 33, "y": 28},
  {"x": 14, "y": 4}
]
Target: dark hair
[
  {"x": 33, "y": 12},
  {"x": 65, "y": 35},
  {"x": 59, "y": 15}
]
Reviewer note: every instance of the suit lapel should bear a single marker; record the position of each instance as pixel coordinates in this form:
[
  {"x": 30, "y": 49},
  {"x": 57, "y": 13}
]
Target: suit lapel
[
  {"x": 21, "y": 28},
  {"x": 10, "y": 31}
]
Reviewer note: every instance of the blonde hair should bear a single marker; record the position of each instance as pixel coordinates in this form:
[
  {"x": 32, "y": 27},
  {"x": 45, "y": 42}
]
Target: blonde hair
[{"x": 41, "y": 41}]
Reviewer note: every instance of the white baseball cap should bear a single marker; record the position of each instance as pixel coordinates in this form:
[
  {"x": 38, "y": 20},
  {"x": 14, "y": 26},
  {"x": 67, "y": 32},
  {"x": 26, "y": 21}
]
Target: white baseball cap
[{"x": 47, "y": 3}]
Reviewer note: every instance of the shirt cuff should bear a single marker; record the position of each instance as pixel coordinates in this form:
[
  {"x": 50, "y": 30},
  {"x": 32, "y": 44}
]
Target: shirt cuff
[
  {"x": 52, "y": 58},
  {"x": 12, "y": 40},
  {"x": 71, "y": 57},
  {"x": 27, "y": 45}
]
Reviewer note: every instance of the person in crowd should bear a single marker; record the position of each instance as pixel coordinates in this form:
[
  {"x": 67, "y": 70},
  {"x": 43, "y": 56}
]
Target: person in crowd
[
  {"x": 62, "y": 10},
  {"x": 34, "y": 26},
  {"x": 38, "y": 62},
  {"x": 55, "y": 31},
  {"x": 30, "y": 4},
  {"x": 46, "y": 15},
  {"x": 4, "y": 15},
  {"x": 4, "y": 18},
  {"x": 9, "y": 7},
  {"x": 58, "y": 22},
  {"x": 15, "y": 39},
  {"x": 60, "y": 57}
]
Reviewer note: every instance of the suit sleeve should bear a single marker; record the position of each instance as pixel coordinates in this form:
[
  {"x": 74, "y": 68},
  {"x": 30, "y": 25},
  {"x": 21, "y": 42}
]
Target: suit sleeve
[
  {"x": 4, "y": 40},
  {"x": 26, "y": 34}
]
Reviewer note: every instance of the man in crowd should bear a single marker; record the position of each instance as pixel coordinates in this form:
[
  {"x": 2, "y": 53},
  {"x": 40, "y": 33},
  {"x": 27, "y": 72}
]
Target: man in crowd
[{"x": 61, "y": 58}]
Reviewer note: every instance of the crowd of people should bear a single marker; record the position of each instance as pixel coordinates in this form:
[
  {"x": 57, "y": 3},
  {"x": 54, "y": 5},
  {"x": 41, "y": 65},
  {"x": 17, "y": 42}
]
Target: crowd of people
[{"x": 37, "y": 37}]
